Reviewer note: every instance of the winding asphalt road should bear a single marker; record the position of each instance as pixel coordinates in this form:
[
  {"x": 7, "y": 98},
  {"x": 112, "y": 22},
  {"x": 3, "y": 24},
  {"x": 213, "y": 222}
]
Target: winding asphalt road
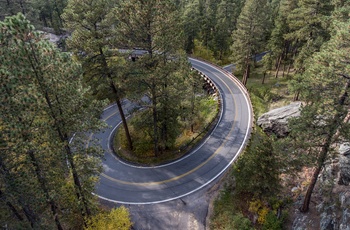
[{"x": 128, "y": 184}]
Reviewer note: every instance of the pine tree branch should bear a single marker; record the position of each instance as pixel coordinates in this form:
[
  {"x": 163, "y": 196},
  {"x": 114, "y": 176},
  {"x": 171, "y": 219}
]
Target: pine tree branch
[{"x": 345, "y": 76}]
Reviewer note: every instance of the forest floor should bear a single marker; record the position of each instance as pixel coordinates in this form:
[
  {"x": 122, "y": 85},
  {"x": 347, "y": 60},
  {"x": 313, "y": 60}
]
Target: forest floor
[{"x": 295, "y": 188}]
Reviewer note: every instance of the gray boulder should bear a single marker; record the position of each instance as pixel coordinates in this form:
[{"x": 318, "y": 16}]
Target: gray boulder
[
  {"x": 344, "y": 164},
  {"x": 276, "y": 120},
  {"x": 328, "y": 220},
  {"x": 344, "y": 198}
]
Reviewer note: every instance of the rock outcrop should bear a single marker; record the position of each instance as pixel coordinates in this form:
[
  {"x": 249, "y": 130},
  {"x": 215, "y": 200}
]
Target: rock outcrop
[
  {"x": 344, "y": 199},
  {"x": 276, "y": 121},
  {"x": 332, "y": 192},
  {"x": 344, "y": 164}
]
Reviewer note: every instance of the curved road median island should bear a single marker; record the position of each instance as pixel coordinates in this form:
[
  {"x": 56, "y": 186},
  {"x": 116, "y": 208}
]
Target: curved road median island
[{"x": 129, "y": 184}]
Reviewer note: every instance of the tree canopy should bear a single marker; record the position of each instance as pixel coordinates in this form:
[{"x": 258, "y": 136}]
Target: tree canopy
[{"x": 43, "y": 105}]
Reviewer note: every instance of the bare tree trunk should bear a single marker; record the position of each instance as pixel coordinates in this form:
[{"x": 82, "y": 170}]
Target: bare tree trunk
[
  {"x": 339, "y": 117},
  {"x": 288, "y": 69},
  {"x": 59, "y": 16},
  {"x": 263, "y": 80},
  {"x": 307, "y": 199},
  {"x": 286, "y": 50},
  {"x": 278, "y": 66},
  {"x": 246, "y": 70},
  {"x": 155, "y": 121},
  {"x": 296, "y": 96},
  {"x": 22, "y": 7},
  {"x": 116, "y": 93},
  {"x": 122, "y": 115},
  {"x": 30, "y": 215},
  {"x": 246, "y": 74}
]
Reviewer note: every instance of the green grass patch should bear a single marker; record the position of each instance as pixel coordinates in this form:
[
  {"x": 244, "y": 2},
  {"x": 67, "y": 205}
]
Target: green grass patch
[
  {"x": 204, "y": 121},
  {"x": 272, "y": 94}
]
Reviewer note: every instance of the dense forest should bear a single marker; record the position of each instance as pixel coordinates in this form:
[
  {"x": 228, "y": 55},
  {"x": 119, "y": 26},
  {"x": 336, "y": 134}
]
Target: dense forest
[{"x": 51, "y": 93}]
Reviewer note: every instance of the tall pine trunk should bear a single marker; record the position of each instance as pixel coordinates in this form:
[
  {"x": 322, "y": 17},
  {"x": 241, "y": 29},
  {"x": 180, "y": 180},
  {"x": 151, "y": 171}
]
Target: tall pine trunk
[
  {"x": 263, "y": 80},
  {"x": 278, "y": 65},
  {"x": 246, "y": 74},
  {"x": 62, "y": 136},
  {"x": 117, "y": 98},
  {"x": 29, "y": 213},
  {"x": 155, "y": 120},
  {"x": 321, "y": 160},
  {"x": 338, "y": 117},
  {"x": 122, "y": 115},
  {"x": 288, "y": 69},
  {"x": 284, "y": 70},
  {"x": 246, "y": 70}
]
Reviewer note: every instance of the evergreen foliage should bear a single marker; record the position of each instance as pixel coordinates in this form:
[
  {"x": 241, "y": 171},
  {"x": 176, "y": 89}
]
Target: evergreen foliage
[
  {"x": 92, "y": 39},
  {"x": 257, "y": 170},
  {"x": 44, "y": 183},
  {"x": 250, "y": 36},
  {"x": 324, "y": 120},
  {"x": 308, "y": 24},
  {"x": 160, "y": 73},
  {"x": 191, "y": 24},
  {"x": 45, "y": 95},
  {"x": 41, "y": 13}
]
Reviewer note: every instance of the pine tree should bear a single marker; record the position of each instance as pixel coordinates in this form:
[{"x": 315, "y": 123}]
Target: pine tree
[
  {"x": 308, "y": 25},
  {"x": 324, "y": 120},
  {"x": 250, "y": 36},
  {"x": 92, "y": 38},
  {"x": 226, "y": 18},
  {"x": 191, "y": 22},
  {"x": 257, "y": 170},
  {"x": 209, "y": 20},
  {"x": 44, "y": 104},
  {"x": 279, "y": 46},
  {"x": 154, "y": 26},
  {"x": 49, "y": 13}
]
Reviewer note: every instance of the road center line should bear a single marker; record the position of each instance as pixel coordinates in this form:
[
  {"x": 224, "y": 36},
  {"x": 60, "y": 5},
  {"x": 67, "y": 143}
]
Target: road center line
[{"x": 192, "y": 170}]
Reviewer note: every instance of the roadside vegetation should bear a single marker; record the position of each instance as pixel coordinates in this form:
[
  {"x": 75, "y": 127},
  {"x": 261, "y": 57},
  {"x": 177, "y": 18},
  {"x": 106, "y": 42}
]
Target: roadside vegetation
[
  {"x": 252, "y": 197},
  {"x": 192, "y": 131},
  {"x": 48, "y": 95}
]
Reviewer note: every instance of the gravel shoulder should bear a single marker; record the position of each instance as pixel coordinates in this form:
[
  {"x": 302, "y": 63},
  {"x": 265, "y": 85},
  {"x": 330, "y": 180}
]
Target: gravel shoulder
[{"x": 191, "y": 212}]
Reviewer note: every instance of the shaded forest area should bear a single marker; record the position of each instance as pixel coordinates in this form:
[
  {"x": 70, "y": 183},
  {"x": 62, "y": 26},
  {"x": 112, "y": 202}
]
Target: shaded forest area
[{"x": 48, "y": 95}]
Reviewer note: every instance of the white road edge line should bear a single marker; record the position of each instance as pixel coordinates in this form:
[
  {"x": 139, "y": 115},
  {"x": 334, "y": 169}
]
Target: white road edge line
[
  {"x": 228, "y": 165},
  {"x": 170, "y": 163}
]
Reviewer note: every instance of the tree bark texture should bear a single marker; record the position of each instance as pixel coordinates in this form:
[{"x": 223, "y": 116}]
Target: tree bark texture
[{"x": 337, "y": 119}]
